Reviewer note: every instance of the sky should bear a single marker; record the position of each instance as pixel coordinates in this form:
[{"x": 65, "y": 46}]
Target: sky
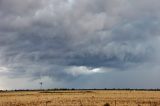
[{"x": 79, "y": 44}]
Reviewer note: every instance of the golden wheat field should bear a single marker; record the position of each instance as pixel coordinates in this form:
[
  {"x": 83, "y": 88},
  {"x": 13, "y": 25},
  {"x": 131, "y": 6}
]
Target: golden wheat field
[{"x": 80, "y": 98}]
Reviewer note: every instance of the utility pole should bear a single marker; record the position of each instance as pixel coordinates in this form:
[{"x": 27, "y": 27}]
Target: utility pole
[{"x": 41, "y": 85}]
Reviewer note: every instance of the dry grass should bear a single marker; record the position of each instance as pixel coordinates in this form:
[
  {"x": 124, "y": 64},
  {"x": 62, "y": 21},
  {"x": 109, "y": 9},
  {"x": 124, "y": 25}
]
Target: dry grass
[{"x": 81, "y": 98}]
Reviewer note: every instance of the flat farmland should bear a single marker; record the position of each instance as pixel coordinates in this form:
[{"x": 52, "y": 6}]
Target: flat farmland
[{"x": 80, "y": 98}]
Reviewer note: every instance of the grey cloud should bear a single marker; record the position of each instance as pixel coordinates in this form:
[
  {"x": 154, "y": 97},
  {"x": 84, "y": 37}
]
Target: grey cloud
[
  {"x": 45, "y": 38},
  {"x": 18, "y": 7}
]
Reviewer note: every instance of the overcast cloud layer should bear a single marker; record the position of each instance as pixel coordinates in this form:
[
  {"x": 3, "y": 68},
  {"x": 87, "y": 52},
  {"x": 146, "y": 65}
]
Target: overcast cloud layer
[{"x": 67, "y": 42}]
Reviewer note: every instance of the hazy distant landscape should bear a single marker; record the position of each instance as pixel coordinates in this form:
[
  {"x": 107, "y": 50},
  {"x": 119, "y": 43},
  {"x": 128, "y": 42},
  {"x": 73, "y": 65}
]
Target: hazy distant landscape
[{"x": 80, "y": 98}]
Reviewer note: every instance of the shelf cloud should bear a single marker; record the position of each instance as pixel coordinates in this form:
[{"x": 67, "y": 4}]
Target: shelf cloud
[{"x": 69, "y": 39}]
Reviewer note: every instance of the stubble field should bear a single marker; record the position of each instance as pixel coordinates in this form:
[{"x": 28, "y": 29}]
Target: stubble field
[{"x": 80, "y": 98}]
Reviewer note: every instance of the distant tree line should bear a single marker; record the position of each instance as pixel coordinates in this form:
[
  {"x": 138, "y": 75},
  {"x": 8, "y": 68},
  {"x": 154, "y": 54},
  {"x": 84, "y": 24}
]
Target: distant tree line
[{"x": 70, "y": 89}]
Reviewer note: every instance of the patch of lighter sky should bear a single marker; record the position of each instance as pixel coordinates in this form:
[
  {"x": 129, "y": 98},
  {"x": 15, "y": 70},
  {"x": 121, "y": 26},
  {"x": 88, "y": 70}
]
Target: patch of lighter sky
[
  {"x": 71, "y": 1},
  {"x": 83, "y": 70},
  {"x": 3, "y": 69}
]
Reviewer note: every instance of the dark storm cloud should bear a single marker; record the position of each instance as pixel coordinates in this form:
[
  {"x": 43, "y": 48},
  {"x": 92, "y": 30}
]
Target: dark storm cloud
[{"x": 51, "y": 38}]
